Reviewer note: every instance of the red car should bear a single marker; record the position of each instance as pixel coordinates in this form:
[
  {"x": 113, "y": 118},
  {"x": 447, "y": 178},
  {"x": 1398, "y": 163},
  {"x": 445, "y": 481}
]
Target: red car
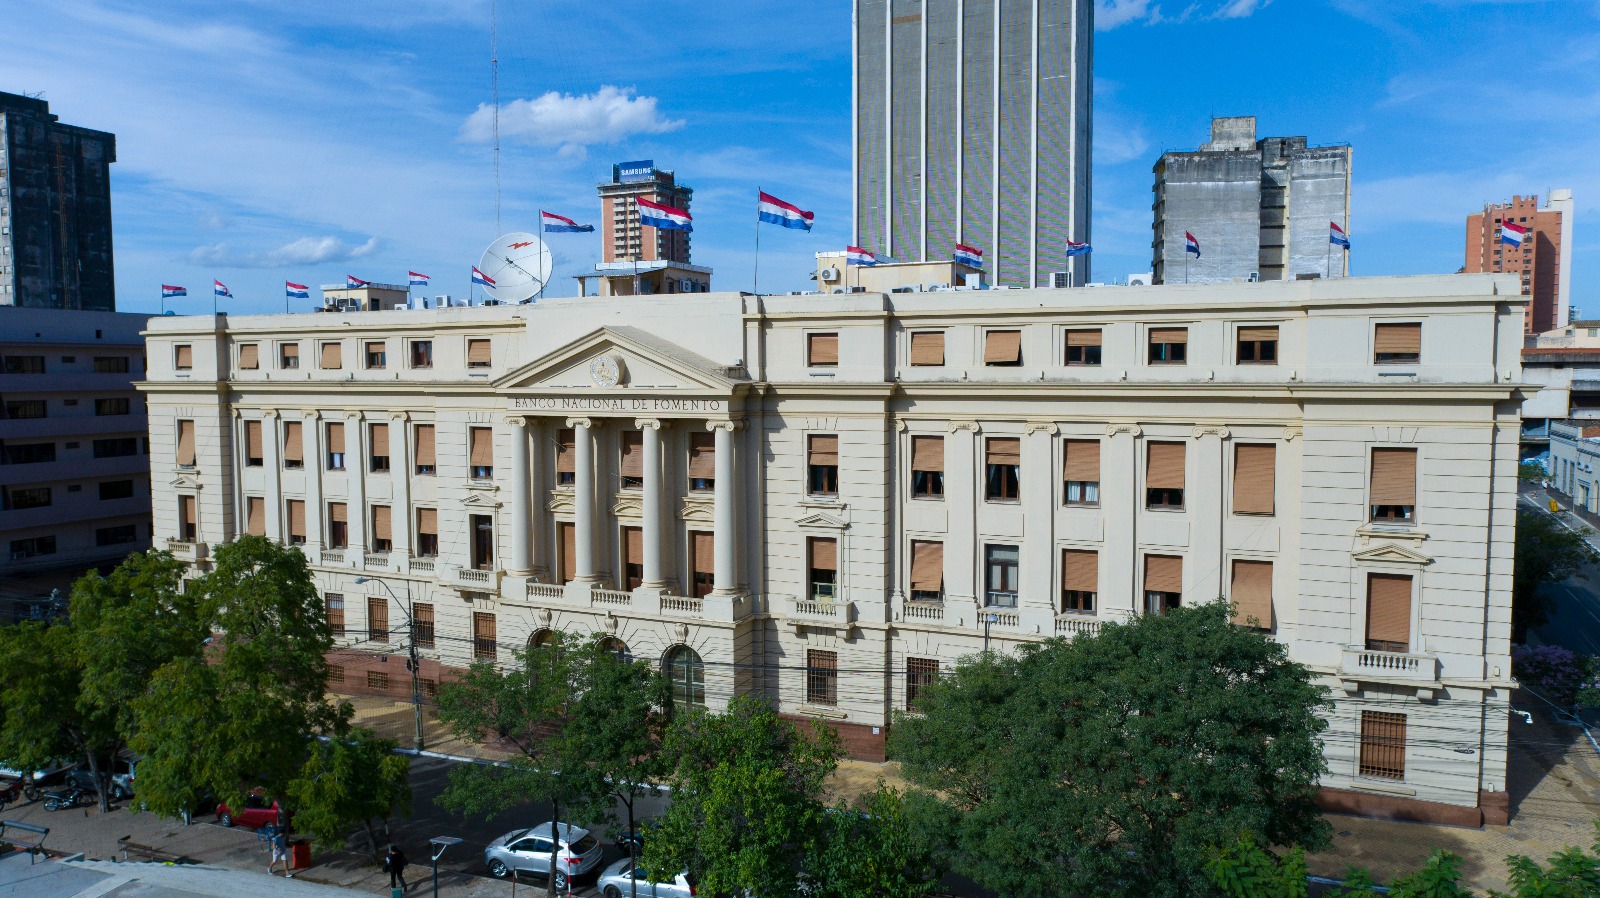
[{"x": 256, "y": 813}]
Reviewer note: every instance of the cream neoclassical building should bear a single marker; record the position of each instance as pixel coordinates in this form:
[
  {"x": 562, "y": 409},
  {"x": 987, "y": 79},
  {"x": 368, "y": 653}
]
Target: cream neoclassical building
[{"x": 829, "y": 499}]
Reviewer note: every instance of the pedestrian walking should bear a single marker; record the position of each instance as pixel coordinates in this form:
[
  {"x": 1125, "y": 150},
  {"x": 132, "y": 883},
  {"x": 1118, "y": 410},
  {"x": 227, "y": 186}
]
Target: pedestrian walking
[
  {"x": 394, "y": 863},
  {"x": 280, "y": 852}
]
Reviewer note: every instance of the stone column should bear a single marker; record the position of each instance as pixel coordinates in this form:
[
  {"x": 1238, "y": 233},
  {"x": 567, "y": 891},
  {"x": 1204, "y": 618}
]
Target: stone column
[
  {"x": 521, "y": 501},
  {"x": 315, "y": 459},
  {"x": 272, "y": 458},
  {"x": 654, "y": 488},
  {"x": 401, "y": 517},
  {"x": 355, "y": 469},
  {"x": 583, "y": 498},
  {"x": 962, "y": 482},
  {"x": 1208, "y": 510},
  {"x": 726, "y": 528},
  {"x": 1121, "y": 503},
  {"x": 1041, "y": 490}
]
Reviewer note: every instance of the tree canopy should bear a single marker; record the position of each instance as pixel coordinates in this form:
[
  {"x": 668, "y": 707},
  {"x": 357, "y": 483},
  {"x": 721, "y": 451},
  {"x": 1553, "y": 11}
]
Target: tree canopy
[{"x": 1547, "y": 552}]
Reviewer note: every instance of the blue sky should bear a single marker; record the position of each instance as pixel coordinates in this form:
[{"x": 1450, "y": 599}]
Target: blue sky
[{"x": 260, "y": 142}]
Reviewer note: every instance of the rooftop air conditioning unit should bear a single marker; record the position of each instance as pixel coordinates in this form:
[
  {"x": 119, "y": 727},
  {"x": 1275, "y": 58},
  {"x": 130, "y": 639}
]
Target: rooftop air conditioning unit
[
  {"x": 857, "y": 290},
  {"x": 1255, "y": 277},
  {"x": 1060, "y": 279},
  {"x": 686, "y": 286},
  {"x": 829, "y": 274}
]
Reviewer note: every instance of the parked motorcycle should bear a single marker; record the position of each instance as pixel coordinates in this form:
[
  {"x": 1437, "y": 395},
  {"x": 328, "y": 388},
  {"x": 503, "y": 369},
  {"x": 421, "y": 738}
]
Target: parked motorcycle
[
  {"x": 11, "y": 791},
  {"x": 69, "y": 797}
]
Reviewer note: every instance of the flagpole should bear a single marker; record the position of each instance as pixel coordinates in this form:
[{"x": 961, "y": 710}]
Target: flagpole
[
  {"x": 1327, "y": 266},
  {"x": 755, "y": 278}
]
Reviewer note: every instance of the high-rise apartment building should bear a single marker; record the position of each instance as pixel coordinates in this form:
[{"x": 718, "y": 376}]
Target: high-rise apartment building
[
  {"x": 1259, "y": 209},
  {"x": 636, "y": 258},
  {"x": 55, "y": 210},
  {"x": 972, "y": 125},
  {"x": 1543, "y": 262}
]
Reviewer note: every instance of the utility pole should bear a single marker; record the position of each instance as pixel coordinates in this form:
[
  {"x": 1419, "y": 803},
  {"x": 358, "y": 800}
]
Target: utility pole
[{"x": 412, "y": 661}]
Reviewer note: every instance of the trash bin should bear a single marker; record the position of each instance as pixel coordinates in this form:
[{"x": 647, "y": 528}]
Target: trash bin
[{"x": 300, "y": 854}]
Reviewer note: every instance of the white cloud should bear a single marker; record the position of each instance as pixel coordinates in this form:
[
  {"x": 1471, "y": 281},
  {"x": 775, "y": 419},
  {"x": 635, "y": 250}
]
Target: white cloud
[
  {"x": 572, "y": 121},
  {"x": 304, "y": 251},
  {"x": 1110, "y": 14}
]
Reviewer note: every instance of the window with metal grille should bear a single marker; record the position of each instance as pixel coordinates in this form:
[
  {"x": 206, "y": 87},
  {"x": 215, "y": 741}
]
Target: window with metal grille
[
  {"x": 484, "y": 646},
  {"x": 377, "y": 619},
  {"x": 822, "y": 678},
  {"x": 430, "y": 687},
  {"x": 1383, "y": 745},
  {"x": 335, "y": 606},
  {"x": 336, "y": 673},
  {"x": 377, "y": 680},
  {"x": 920, "y": 674},
  {"x": 422, "y": 625}
]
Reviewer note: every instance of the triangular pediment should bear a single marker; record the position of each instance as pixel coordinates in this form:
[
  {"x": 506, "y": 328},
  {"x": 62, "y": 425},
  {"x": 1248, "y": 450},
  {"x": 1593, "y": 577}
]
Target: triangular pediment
[
  {"x": 184, "y": 482},
  {"x": 480, "y": 499},
  {"x": 822, "y": 521},
  {"x": 634, "y": 358},
  {"x": 1391, "y": 554}
]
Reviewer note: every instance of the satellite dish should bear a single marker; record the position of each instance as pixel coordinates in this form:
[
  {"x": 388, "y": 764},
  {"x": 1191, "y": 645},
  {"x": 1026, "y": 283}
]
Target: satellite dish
[{"x": 519, "y": 264}]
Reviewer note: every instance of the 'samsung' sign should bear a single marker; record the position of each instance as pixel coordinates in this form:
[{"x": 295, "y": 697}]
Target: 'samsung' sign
[{"x": 632, "y": 172}]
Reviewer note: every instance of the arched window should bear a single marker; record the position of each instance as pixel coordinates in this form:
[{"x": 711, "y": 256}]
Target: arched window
[
  {"x": 687, "y": 673},
  {"x": 543, "y": 639},
  {"x": 616, "y": 647},
  {"x": 544, "y": 647}
]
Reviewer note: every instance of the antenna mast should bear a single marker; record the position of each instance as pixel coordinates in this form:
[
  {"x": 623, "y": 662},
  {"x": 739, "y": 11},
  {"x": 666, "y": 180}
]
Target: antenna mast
[{"x": 494, "y": 87}]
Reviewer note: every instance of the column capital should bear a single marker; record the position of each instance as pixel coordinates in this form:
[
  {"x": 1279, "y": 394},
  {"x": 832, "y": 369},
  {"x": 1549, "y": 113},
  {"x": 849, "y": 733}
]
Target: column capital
[
  {"x": 312, "y": 414},
  {"x": 517, "y": 420},
  {"x": 1128, "y": 428},
  {"x": 649, "y": 423},
  {"x": 964, "y": 425},
  {"x": 1211, "y": 430},
  {"x": 580, "y": 422},
  {"x": 400, "y": 416},
  {"x": 354, "y": 415},
  {"x": 1036, "y": 426},
  {"x": 729, "y": 425}
]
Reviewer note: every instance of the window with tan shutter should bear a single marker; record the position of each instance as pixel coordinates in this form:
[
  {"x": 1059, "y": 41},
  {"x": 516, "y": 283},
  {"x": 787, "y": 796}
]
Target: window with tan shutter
[
  {"x": 377, "y": 619},
  {"x": 255, "y": 516},
  {"x": 822, "y": 350},
  {"x": 1388, "y": 613},
  {"x": 927, "y": 348},
  {"x": 1002, "y": 469},
  {"x": 1257, "y": 346},
  {"x": 1083, "y": 347},
  {"x": 927, "y": 571},
  {"x": 702, "y": 559},
  {"x": 188, "y": 522},
  {"x": 702, "y": 462},
  {"x": 378, "y": 451},
  {"x": 422, "y": 353},
  {"x": 1396, "y": 344},
  {"x": 422, "y": 624},
  {"x": 920, "y": 674},
  {"x": 1383, "y": 745},
  {"x": 332, "y": 356},
  {"x": 1251, "y": 594},
  {"x": 567, "y": 537},
  {"x": 297, "y": 521},
  {"x": 822, "y": 464},
  {"x": 252, "y": 444},
  {"x": 335, "y": 435},
  {"x": 566, "y": 457},
  {"x": 1080, "y": 580},
  {"x": 427, "y": 532},
  {"x": 382, "y": 536},
  {"x": 294, "y": 450},
  {"x": 1255, "y": 471},
  {"x": 633, "y": 557},
  {"x": 631, "y": 466},
  {"x": 1394, "y": 485},
  {"x": 183, "y": 357},
  {"x": 822, "y": 561},
  {"x": 338, "y": 525},
  {"x": 485, "y": 644},
  {"x": 249, "y": 356},
  {"x": 377, "y": 352},
  {"x": 1163, "y": 583},
  {"x": 480, "y": 451},
  {"x": 185, "y": 444},
  {"x": 1169, "y": 345},
  {"x": 822, "y": 677},
  {"x": 1002, "y": 348},
  {"x": 927, "y": 467},
  {"x": 1164, "y": 476},
  {"x": 478, "y": 353},
  {"x": 1080, "y": 474},
  {"x": 289, "y": 356},
  {"x": 426, "y": 453},
  {"x": 334, "y": 602}
]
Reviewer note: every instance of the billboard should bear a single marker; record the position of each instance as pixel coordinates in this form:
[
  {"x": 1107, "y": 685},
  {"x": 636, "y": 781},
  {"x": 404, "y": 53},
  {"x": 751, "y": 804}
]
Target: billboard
[{"x": 633, "y": 172}]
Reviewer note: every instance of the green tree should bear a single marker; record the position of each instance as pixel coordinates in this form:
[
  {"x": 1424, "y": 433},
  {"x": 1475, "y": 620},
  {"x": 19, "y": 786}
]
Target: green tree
[
  {"x": 1121, "y": 758},
  {"x": 1547, "y": 552},
  {"x": 1246, "y": 870},
  {"x": 347, "y": 783},
  {"x": 747, "y": 806},
  {"x": 878, "y": 851},
  {"x": 1532, "y": 472}
]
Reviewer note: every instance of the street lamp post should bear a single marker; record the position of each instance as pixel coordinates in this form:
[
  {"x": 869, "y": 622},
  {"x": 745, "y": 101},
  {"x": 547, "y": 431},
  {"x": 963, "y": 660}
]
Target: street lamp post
[
  {"x": 440, "y": 843},
  {"x": 411, "y": 651}
]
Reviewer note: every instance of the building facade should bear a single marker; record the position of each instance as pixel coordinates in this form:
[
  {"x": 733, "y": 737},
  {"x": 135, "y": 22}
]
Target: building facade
[
  {"x": 828, "y": 500},
  {"x": 1543, "y": 262},
  {"x": 635, "y": 258},
  {"x": 972, "y": 124},
  {"x": 74, "y": 451},
  {"x": 55, "y": 210},
  {"x": 1260, "y": 209}
]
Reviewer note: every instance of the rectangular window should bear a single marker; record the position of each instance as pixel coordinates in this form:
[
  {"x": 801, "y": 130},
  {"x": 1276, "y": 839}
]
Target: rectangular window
[
  {"x": 1080, "y": 580},
  {"x": 1383, "y": 745},
  {"x": 927, "y": 467},
  {"x": 185, "y": 444},
  {"x": 1394, "y": 485},
  {"x": 1083, "y": 347},
  {"x": 822, "y": 562},
  {"x": 1003, "y": 467},
  {"x": 111, "y": 364},
  {"x": 822, "y": 465},
  {"x": 480, "y": 529},
  {"x": 480, "y": 452},
  {"x": 920, "y": 674},
  {"x": 335, "y": 434},
  {"x": 927, "y": 571},
  {"x": 1258, "y": 346},
  {"x": 116, "y": 489},
  {"x": 382, "y": 536},
  {"x": 422, "y": 353},
  {"x": 478, "y": 353},
  {"x": 297, "y": 521},
  {"x": 430, "y": 686},
  {"x": 1251, "y": 594},
  {"x": 289, "y": 356},
  {"x": 822, "y": 677},
  {"x": 338, "y": 525},
  {"x": 378, "y": 454},
  {"x": 29, "y": 453},
  {"x": 26, "y": 408},
  {"x": 1000, "y": 566},
  {"x": 822, "y": 350},
  {"x": 249, "y": 357},
  {"x": 188, "y": 522},
  {"x": 1002, "y": 348},
  {"x": 567, "y": 539},
  {"x": 32, "y": 497},
  {"x": 702, "y": 462},
  {"x": 183, "y": 357},
  {"x": 702, "y": 555},
  {"x": 377, "y": 619},
  {"x": 255, "y": 516},
  {"x": 1255, "y": 473},
  {"x": 927, "y": 349},
  {"x": 427, "y": 532},
  {"x": 24, "y": 364},
  {"x": 1169, "y": 345},
  {"x": 1164, "y": 476},
  {"x": 116, "y": 406},
  {"x": 336, "y": 673},
  {"x": 253, "y": 450},
  {"x": 116, "y": 536},
  {"x": 377, "y": 679},
  {"x": 632, "y": 557},
  {"x": 426, "y": 454},
  {"x": 484, "y": 644},
  {"x": 377, "y": 353},
  {"x": 1388, "y": 613},
  {"x": 1163, "y": 583},
  {"x": 422, "y": 624},
  {"x": 294, "y": 451},
  {"x": 1080, "y": 475},
  {"x": 566, "y": 457},
  {"x": 1397, "y": 344},
  {"x": 332, "y": 358},
  {"x": 32, "y": 547},
  {"x": 631, "y": 466}
]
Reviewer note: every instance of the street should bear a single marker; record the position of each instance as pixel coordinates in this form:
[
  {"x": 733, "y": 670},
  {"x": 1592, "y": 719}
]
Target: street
[{"x": 1575, "y": 619}]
